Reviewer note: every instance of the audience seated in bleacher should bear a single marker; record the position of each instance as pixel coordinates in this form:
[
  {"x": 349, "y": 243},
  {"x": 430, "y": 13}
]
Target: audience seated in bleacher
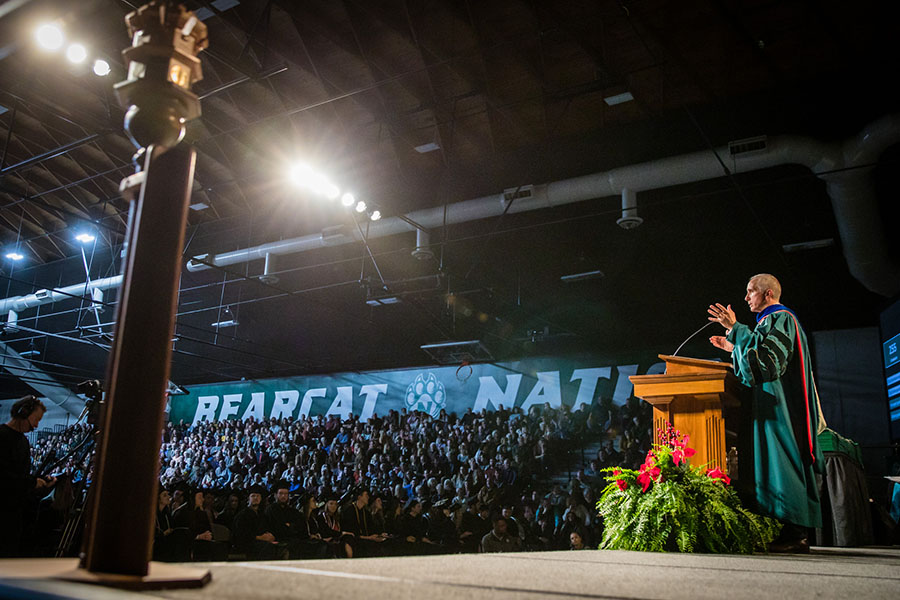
[{"x": 404, "y": 483}]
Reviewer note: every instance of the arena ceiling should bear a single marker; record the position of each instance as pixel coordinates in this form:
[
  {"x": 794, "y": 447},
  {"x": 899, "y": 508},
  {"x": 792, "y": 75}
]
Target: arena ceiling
[{"x": 420, "y": 104}]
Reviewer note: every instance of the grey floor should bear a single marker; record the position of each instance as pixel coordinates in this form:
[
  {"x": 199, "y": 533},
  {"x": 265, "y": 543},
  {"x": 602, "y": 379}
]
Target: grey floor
[{"x": 826, "y": 573}]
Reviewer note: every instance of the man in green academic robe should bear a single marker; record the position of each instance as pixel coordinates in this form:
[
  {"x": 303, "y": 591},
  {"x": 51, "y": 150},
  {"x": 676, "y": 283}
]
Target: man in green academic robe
[{"x": 773, "y": 360}]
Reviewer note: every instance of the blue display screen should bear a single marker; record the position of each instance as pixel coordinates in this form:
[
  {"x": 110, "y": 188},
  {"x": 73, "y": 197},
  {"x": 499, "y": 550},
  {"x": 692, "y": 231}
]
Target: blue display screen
[{"x": 890, "y": 345}]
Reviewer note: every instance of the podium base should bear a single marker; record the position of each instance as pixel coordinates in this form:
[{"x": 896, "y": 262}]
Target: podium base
[{"x": 159, "y": 575}]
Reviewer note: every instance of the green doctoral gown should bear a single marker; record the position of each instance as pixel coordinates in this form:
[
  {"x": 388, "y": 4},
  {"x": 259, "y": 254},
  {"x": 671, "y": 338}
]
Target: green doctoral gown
[{"x": 773, "y": 361}]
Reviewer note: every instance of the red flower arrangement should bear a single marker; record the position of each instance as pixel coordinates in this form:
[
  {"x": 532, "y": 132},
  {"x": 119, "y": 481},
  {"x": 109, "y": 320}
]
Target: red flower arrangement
[
  {"x": 672, "y": 445},
  {"x": 718, "y": 474},
  {"x": 620, "y": 482},
  {"x": 670, "y": 505},
  {"x": 650, "y": 472}
]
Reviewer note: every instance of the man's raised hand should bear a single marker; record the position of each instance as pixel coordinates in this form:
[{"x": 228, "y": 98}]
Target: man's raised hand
[
  {"x": 720, "y": 342},
  {"x": 722, "y": 315}
]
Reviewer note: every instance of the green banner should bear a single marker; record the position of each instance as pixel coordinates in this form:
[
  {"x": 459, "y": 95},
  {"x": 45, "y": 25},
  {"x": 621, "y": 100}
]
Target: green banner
[{"x": 555, "y": 381}]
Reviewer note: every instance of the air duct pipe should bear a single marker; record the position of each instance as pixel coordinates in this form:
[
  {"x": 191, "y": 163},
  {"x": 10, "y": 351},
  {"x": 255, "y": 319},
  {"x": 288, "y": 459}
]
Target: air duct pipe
[
  {"x": 855, "y": 206},
  {"x": 40, "y": 297},
  {"x": 845, "y": 168},
  {"x": 850, "y": 189}
]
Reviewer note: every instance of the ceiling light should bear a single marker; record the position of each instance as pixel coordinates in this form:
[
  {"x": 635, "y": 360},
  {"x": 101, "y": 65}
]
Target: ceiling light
[
  {"x": 376, "y": 214},
  {"x": 317, "y": 183},
  {"x": 228, "y": 323},
  {"x": 618, "y": 98},
  {"x": 49, "y": 36},
  {"x": 811, "y": 245},
  {"x": 76, "y": 53},
  {"x": 101, "y": 68},
  {"x": 199, "y": 206},
  {"x": 429, "y": 147},
  {"x": 331, "y": 191},
  {"x": 581, "y": 276},
  {"x": 85, "y": 238},
  {"x": 348, "y": 200},
  {"x": 301, "y": 173},
  {"x": 360, "y": 206},
  {"x": 28, "y": 353},
  {"x": 14, "y": 256},
  {"x": 383, "y": 301}
]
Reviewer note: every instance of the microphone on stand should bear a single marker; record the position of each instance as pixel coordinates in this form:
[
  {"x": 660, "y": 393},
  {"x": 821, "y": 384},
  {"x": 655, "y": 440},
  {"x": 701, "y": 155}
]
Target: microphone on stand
[{"x": 690, "y": 337}]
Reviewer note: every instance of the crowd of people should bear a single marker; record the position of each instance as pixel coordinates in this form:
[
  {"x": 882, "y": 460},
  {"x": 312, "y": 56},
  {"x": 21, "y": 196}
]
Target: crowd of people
[{"x": 405, "y": 483}]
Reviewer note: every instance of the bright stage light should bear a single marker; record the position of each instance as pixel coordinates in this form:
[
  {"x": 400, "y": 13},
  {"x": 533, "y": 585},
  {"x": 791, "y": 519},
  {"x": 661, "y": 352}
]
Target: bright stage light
[
  {"x": 301, "y": 174},
  {"x": 85, "y": 238},
  {"x": 49, "y": 36},
  {"x": 76, "y": 53},
  {"x": 101, "y": 68},
  {"x": 316, "y": 183},
  {"x": 331, "y": 191},
  {"x": 14, "y": 256},
  {"x": 348, "y": 200},
  {"x": 360, "y": 206},
  {"x": 376, "y": 214},
  {"x": 320, "y": 185}
]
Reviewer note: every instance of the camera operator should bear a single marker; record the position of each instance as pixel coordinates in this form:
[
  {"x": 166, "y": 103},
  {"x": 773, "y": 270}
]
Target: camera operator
[{"x": 16, "y": 480}]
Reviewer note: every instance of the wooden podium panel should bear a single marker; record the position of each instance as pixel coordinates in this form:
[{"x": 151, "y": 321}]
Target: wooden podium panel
[{"x": 692, "y": 395}]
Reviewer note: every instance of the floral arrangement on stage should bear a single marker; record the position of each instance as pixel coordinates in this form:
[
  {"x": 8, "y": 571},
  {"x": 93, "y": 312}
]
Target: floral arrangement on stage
[{"x": 669, "y": 505}]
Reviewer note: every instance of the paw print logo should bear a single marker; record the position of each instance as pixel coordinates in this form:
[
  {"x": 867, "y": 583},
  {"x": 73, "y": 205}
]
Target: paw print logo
[{"x": 427, "y": 394}]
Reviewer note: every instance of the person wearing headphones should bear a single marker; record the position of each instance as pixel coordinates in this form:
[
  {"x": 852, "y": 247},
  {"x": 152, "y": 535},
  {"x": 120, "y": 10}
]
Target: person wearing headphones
[{"x": 16, "y": 481}]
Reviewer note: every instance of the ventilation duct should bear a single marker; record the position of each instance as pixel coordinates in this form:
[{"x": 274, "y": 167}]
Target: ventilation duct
[
  {"x": 755, "y": 145},
  {"x": 523, "y": 192},
  {"x": 20, "y": 303},
  {"x": 846, "y": 169},
  {"x": 423, "y": 249},
  {"x": 268, "y": 276},
  {"x": 629, "y": 218},
  {"x": 842, "y": 166}
]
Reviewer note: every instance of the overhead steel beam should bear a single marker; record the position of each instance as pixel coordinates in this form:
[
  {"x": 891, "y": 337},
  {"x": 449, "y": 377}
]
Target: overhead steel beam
[
  {"x": 50, "y": 154},
  {"x": 35, "y": 378}
]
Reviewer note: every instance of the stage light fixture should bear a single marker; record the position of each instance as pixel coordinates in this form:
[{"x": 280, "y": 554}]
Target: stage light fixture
[
  {"x": 360, "y": 206},
  {"x": 348, "y": 199},
  {"x": 331, "y": 191},
  {"x": 49, "y": 36},
  {"x": 85, "y": 238},
  {"x": 301, "y": 174},
  {"x": 14, "y": 256},
  {"x": 376, "y": 214},
  {"x": 76, "y": 53},
  {"x": 101, "y": 68},
  {"x": 316, "y": 183}
]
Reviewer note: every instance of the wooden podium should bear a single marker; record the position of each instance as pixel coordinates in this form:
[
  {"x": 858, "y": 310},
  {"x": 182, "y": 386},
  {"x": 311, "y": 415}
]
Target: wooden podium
[{"x": 692, "y": 395}]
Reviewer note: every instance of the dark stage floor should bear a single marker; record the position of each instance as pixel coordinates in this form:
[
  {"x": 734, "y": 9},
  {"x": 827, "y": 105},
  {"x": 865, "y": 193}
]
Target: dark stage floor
[{"x": 860, "y": 573}]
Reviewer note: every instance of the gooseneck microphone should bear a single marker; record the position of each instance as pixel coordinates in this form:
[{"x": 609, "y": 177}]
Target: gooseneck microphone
[{"x": 690, "y": 337}]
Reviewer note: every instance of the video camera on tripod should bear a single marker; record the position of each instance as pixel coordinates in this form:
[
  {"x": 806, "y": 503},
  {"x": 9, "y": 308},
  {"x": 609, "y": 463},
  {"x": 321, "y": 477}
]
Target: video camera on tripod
[{"x": 93, "y": 393}]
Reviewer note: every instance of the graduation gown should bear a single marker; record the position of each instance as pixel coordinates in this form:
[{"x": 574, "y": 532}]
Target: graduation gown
[{"x": 773, "y": 360}]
